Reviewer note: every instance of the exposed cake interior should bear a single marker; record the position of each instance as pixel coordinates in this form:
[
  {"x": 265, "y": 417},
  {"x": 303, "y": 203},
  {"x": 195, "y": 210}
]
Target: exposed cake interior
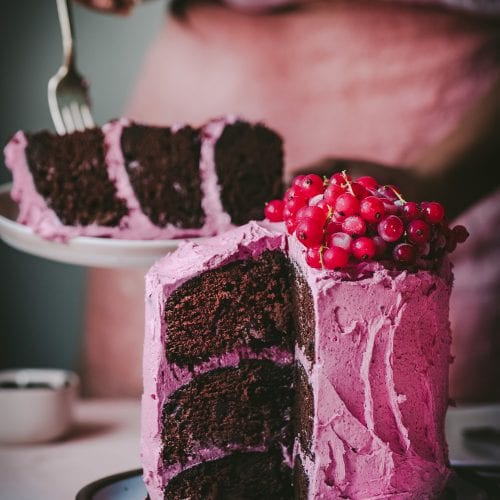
[
  {"x": 70, "y": 172},
  {"x": 248, "y": 159},
  {"x": 243, "y": 411},
  {"x": 240, "y": 307},
  {"x": 248, "y": 406},
  {"x": 162, "y": 166},
  {"x": 251, "y": 475}
]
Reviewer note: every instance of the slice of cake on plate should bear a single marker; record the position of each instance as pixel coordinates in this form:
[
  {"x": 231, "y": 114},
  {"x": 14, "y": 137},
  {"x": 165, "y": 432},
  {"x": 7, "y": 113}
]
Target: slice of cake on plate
[{"x": 132, "y": 181}]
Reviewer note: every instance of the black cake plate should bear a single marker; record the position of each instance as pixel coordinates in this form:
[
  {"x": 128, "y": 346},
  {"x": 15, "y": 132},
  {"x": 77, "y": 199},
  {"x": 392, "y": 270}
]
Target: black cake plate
[
  {"x": 467, "y": 483},
  {"x": 83, "y": 251}
]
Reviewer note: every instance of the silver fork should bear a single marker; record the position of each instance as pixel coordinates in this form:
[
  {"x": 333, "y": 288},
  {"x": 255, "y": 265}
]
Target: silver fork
[{"x": 69, "y": 102}]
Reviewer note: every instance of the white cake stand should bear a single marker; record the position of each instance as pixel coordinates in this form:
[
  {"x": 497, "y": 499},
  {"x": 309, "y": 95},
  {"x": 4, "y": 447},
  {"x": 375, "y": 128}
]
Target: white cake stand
[{"x": 83, "y": 251}]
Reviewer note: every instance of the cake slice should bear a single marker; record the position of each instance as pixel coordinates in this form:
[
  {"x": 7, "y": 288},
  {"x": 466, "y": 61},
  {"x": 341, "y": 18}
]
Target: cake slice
[{"x": 131, "y": 181}]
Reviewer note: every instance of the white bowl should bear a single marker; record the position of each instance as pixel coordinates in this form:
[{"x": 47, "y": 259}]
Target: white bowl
[{"x": 36, "y": 404}]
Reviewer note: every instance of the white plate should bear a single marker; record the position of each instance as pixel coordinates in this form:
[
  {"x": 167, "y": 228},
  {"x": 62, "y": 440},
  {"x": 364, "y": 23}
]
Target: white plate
[{"x": 83, "y": 251}]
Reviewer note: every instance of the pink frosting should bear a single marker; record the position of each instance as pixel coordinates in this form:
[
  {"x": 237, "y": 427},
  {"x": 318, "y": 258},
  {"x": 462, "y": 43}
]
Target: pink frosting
[
  {"x": 379, "y": 374},
  {"x": 34, "y": 212},
  {"x": 380, "y": 382}
]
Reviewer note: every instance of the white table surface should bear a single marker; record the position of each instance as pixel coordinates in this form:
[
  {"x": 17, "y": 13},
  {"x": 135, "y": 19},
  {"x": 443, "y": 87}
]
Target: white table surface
[{"x": 105, "y": 441}]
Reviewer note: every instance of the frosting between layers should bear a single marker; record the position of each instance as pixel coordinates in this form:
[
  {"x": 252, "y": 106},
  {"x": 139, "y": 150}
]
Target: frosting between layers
[
  {"x": 35, "y": 213},
  {"x": 379, "y": 375}
]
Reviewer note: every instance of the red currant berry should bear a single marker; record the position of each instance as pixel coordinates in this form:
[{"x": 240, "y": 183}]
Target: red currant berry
[
  {"x": 461, "y": 233},
  {"x": 359, "y": 190},
  {"x": 297, "y": 182},
  {"x": 314, "y": 258},
  {"x": 354, "y": 225},
  {"x": 368, "y": 182},
  {"x": 274, "y": 210},
  {"x": 418, "y": 231},
  {"x": 341, "y": 240},
  {"x": 364, "y": 248},
  {"x": 323, "y": 205},
  {"x": 389, "y": 192},
  {"x": 332, "y": 192},
  {"x": 287, "y": 214},
  {"x": 410, "y": 211},
  {"x": 290, "y": 225},
  {"x": 295, "y": 204},
  {"x": 335, "y": 258},
  {"x": 333, "y": 227},
  {"x": 292, "y": 193},
  {"x": 372, "y": 209},
  {"x": 347, "y": 204},
  {"x": 404, "y": 253},
  {"x": 380, "y": 246},
  {"x": 309, "y": 233},
  {"x": 338, "y": 179},
  {"x": 433, "y": 212},
  {"x": 312, "y": 185},
  {"x": 316, "y": 199},
  {"x": 315, "y": 213},
  {"x": 338, "y": 217},
  {"x": 391, "y": 228},
  {"x": 390, "y": 207}
]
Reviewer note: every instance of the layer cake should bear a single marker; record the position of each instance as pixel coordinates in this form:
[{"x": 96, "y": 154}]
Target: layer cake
[{"x": 267, "y": 378}]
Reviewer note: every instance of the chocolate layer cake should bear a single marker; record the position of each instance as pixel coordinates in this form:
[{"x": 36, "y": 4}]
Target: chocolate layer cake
[
  {"x": 267, "y": 378},
  {"x": 133, "y": 181}
]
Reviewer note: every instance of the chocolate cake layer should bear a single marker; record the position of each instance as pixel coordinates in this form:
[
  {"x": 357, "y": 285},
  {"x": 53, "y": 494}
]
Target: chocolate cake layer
[
  {"x": 163, "y": 168},
  {"x": 303, "y": 412},
  {"x": 247, "y": 406},
  {"x": 70, "y": 173},
  {"x": 300, "y": 480},
  {"x": 242, "y": 476},
  {"x": 248, "y": 161},
  {"x": 244, "y": 303},
  {"x": 303, "y": 310}
]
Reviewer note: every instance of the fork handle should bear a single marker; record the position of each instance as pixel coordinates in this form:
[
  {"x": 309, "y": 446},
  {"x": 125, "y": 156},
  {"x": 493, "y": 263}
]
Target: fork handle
[{"x": 67, "y": 33}]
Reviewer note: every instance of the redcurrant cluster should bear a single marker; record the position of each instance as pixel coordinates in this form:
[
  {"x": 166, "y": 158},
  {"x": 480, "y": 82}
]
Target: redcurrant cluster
[{"x": 340, "y": 221}]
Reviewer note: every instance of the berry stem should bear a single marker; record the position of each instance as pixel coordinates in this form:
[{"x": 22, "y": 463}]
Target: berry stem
[
  {"x": 347, "y": 182},
  {"x": 329, "y": 215},
  {"x": 396, "y": 192}
]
